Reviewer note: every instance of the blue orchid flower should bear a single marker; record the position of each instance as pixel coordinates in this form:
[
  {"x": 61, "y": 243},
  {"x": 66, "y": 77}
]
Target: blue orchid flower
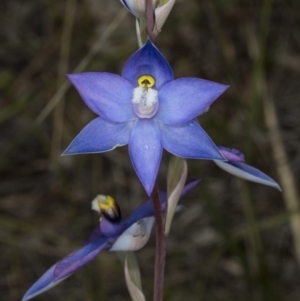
[
  {"x": 112, "y": 233},
  {"x": 147, "y": 109},
  {"x": 236, "y": 165}
]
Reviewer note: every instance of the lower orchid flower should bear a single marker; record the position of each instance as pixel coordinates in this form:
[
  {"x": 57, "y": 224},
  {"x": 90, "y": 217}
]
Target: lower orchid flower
[
  {"x": 148, "y": 110},
  {"x": 112, "y": 233},
  {"x": 236, "y": 165}
]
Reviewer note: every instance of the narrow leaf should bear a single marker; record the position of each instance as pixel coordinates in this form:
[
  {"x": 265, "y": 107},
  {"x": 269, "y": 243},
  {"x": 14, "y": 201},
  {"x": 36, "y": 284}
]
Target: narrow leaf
[
  {"x": 133, "y": 278},
  {"x": 177, "y": 174},
  {"x": 161, "y": 15}
]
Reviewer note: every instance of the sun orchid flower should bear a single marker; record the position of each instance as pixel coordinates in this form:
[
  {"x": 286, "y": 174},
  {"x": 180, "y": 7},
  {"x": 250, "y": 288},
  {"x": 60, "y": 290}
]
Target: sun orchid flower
[
  {"x": 149, "y": 110},
  {"x": 112, "y": 233},
  {"x": 236, "y": 165}
]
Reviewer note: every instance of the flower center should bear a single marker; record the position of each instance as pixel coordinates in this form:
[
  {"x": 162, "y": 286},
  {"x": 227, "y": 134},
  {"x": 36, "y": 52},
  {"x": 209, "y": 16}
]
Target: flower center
[{"x": 145, "y": 102}]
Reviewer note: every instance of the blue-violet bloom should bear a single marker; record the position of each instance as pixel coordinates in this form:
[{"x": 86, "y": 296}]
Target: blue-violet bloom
[
  {"x": 112, "y": 233},
  {"x": 147, "y": 109},
  {"x": 236, "y": 165}
]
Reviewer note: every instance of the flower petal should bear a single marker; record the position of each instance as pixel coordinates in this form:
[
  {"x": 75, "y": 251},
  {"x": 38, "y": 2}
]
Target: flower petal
[
  {"x": 189, "y": 185},
  {"x": 111, "y": 228},
  {"x": 189, "y": 141},
  {"x": 108, "y": 95},
  {"x": 231, "y": 154},
  {"x": 183, "y": 99},
  {"x": 78, "y": 259},
  {"x": 148, "y": 60},
  {"x": 135, "y": 237},
  {"x": 145, "y": 151},
  {"x": 247, "y": 172},
  {"x": 145, "y": 210},
  {"x": 43, "y": 284},
  {"x": 99, "y": 136},
  {"x": 65, "y": 268}
]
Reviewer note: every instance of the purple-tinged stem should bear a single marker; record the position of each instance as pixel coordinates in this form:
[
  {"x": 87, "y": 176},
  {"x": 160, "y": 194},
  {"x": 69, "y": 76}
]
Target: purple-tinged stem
[
  {"x": 161, "y": 240},
  {"x": 150, "y": 17}
]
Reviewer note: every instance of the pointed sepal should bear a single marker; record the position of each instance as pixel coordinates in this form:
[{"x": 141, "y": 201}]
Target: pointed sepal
[
  {"x": 66, "y": 267},
  {"x": 238, "y": 168}
]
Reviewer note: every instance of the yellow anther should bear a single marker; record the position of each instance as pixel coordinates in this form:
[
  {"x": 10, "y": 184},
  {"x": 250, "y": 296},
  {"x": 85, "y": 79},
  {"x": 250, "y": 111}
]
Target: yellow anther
[
  {"x": 109, "y": 203},
  {"x": 110, "y": 209},
  {"x": 107, "y": 206},
  {"x": 146, "y": 81}
]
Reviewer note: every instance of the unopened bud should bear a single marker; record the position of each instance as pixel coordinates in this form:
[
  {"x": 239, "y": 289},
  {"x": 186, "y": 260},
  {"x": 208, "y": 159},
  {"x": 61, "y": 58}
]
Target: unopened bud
[
  {"x": 161, "y": 11},
  {"x": 138, "y": 7}
]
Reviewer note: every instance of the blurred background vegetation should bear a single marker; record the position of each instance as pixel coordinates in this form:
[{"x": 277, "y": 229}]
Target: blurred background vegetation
[{"x": 236, "y": 240}]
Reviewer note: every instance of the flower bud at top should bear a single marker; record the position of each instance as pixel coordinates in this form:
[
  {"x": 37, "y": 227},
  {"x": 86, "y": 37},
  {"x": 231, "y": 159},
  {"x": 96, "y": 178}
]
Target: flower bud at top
[
  {"x": 138, "y": 7},
  {"x": 161, "y": 10}
]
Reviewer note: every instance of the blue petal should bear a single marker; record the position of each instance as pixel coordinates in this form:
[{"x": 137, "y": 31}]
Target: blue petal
[
  {"x": 189, "y": 141},
  {"x": 99, "y": 136},
  {"x": 145, "y": 210},
  {"x": 145, "y": 151},
  {"x": 108, "y": 95},
  {"x": 43, "y": 284},
  {"x": 183, "y": 99},
  {"x": 148, "y": 60},
  {"x": 111, "y": 228},
  {"x": 49, "y": 280},
  {"x": 78, "y": 259},
  {"x": 189, "y": 186},
  {"x": 247, "y": 172}
]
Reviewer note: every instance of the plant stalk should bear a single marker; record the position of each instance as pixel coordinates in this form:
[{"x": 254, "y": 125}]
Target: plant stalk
[
  {"x": 161, "y": 239},
  {"x": 150, "y": 18}
]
